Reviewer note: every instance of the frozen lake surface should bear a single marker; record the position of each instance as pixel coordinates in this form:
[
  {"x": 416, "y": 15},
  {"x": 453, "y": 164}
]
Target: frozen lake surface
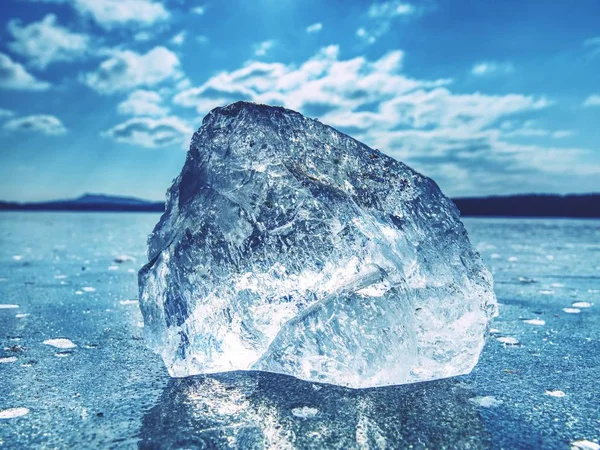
[{"x": 75, "y": 373}]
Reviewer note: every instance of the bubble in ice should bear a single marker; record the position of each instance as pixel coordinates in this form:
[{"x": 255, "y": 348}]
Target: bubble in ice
[
  {"x": 8, "y": 306},
  {"x": 88, "y": 289},
  {"x": 555, "y": 393},
  {"x": 572, "y": 310}
]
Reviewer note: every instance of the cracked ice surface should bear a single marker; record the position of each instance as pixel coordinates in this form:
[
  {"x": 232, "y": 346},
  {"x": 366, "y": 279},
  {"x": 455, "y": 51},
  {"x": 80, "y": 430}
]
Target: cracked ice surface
[{"x": 289, "y": 247}]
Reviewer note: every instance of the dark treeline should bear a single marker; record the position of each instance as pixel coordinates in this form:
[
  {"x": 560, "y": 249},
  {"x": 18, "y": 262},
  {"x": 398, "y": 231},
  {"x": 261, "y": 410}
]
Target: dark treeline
[
  {"x": 534, "y": 205},
  {"x": 583, "y": 206}
]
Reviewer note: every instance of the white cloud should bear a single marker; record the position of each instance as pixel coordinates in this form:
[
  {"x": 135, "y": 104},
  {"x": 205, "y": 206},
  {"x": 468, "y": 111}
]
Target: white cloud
[
  {"x": 593, "y": 44},
  {"x": 492, "y": 68},
  {"x": 592, "y": 100},
  {"x": 200, "y": 10},
  {"x": 382, "y": 14},
  {"x": 127, "y": 70},
  {"x": 391, "y": 9},
  {"x": 143, "y": 103},
  {"x": 110, "y": 13},
  {"x": 151, "y": 133},
  {"x": 263, "y": 48},
  {"x": 314, "y": 28},
  {"x": 323, "y": 80},
  {"x": 14, "y": 76},
  {"x": 366, "y": 36},
  {"x": 45, "y": 42},
  {"x": 442, "y": 133},
  {"x": 201, "y": 39},
  {"x": 6, "y": 113},
  {"x": 41, "y": 123},
  {"x": 179, "y": 38},
  {"x": 143, "y": 36}
]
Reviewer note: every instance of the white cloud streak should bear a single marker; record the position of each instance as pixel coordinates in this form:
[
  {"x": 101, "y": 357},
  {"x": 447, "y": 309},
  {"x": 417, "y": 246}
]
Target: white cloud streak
[
  {"x": 45, "y": 42},
  {"x": 151, "y": 133},
  {"x": 143, "y": 103},
  {"x": 126, "y": 70},
  {"x": 422, "y": 122},
  {"x": 314, "y": 28},
  {"x": 42, "y": 123},
  {"x": 13, "y": 76},
  {"x": 592, "y": 100}
]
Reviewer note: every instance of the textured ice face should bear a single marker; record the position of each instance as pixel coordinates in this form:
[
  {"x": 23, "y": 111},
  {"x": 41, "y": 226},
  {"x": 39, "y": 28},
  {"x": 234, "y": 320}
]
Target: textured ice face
[{"x": 289, "y": 247}]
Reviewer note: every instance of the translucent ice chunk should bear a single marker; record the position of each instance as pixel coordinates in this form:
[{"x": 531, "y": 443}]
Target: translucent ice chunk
[{"x": 289, "y": 247}]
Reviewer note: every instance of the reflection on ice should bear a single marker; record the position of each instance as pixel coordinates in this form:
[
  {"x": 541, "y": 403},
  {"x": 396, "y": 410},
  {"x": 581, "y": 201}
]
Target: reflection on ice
[{"x": 258, "y": 410}]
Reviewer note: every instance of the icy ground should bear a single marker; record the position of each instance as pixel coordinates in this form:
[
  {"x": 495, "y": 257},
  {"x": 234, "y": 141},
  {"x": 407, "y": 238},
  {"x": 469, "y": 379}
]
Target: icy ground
[{"x": 74, "y": 371}]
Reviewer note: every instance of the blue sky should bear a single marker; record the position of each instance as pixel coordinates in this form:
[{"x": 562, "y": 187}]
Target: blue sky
[{"x": 485, "y": 97}]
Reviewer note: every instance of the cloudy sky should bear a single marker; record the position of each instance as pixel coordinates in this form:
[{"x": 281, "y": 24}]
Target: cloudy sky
[{"x": 486, "y": 97}]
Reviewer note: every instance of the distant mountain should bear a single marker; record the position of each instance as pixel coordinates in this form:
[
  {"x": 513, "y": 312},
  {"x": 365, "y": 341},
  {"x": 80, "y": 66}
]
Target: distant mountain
[
  {"x": 531, "y": 205},
  {"x": 88, "y": 202},
  {"x": 528, "y": 205}
]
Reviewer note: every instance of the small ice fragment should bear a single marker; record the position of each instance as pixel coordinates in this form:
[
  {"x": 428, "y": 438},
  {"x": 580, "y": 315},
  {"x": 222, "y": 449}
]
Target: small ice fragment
[
  {"x": 507, "y": 340},
  {"x": 18, "y": 257},
  {"x": 593, "y": 291},
  {"x": 60, "y": 277},
  {"x": 21, "y": 316},
  {"x": 557, "y": 285},
  {"x": 550, "y": 257},
  {"x": 535, "y": 322},
  {"x": 555, "y": 393},
  {"x": 494, "y": 331},
  {"x": 305, "y": 412},
  {"x": 63, "y": 354},
  {"x": 546, "y": 291},
  {"x": 8, "y": 359},
  {"x": 12, "y": 413},
  {"x": 572, "y": 310},
  {"x": 585, "y": 445},
  {"x": 582, "y": 305},
  {"x": 123, "y": 258},
  {"x": 131, "y": 270},
  {"x": 128, "y": 302},
  {"x": 5, "y": 306},
  {"x": 88, "y": 289},
  {"x": 495, "y": 256},
  {"x": 113, "y": 267},
  {"x": 513, "y": 259},
  {"x": 487, "y": 401},
  {"x": 60, "y": 343},
  {"x": 526, "y": 280},
  {"x": 79, "y": 292}
]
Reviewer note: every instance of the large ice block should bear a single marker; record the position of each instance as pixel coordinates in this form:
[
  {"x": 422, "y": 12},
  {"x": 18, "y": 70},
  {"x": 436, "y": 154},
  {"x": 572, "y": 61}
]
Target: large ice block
[{"x": 289, "y": 247}]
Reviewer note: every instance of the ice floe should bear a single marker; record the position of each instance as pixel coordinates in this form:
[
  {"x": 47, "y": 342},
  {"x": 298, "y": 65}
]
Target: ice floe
[
  {"x": 60, "y": 343},
  {"x": 535, "y": 322},
  {"x": 12, "y": 413},
  {"x": 507, "y": 340}
]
